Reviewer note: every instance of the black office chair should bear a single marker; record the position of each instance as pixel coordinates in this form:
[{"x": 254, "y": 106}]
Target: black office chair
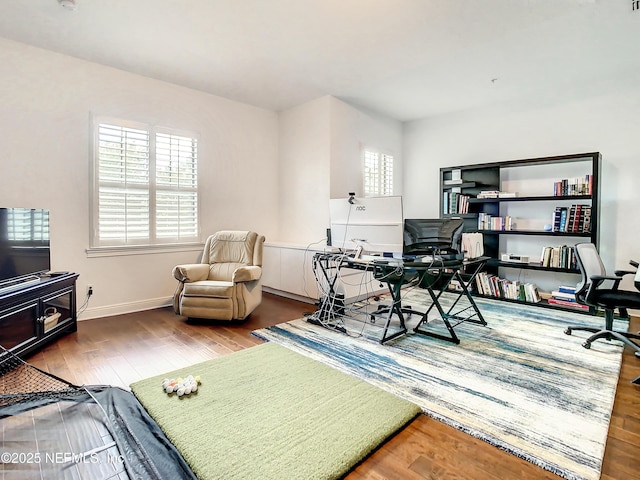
[{"x": 597, "y": 289}]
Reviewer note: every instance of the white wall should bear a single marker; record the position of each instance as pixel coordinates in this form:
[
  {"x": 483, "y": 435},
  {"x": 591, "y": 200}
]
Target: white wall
[
  {"x": 320, "y": 158},
  {"x": 45, "y": 105},
  {"x": 353, "y": 128},
  {"x": 304, "y": 145},
  {"x": 591, "y": 117}
]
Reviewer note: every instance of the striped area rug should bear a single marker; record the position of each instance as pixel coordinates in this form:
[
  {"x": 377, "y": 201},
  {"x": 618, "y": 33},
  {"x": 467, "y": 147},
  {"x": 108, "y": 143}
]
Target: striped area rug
[{"x": 518, "y": 383}]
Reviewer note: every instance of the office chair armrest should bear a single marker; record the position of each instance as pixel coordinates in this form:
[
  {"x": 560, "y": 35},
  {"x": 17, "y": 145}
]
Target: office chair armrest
[
  {"x": 622, "y": 273},
  {"x": 191, "y": 272},
  {"x": 597, "y": 280}
]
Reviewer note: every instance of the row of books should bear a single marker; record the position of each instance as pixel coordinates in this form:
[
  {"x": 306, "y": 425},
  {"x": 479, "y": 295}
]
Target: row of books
[
  {"x": 559, "y": 257},
  {"x": 494, "y": 286},
  {"x": 566, "y": 297},
  {"x": 491, "y": 222},
  {"x": 455, "y": 202},
  {"x": 573, "y": 219},
  {"x": 496, "y": 194},
  {"x": 573, "y": 186}
]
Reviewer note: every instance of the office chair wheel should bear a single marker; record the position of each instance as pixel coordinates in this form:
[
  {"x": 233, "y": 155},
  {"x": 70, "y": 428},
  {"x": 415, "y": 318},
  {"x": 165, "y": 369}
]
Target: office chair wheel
[
  {"x": 567, "y": 331},
  {"x": 586, "y": 345}
]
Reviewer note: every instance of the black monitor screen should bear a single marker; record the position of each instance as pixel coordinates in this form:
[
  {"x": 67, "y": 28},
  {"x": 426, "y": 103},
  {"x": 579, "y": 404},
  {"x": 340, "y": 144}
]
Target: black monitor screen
[
  {"x": 24, "y": 242},
  {"x": 428, "y": 236}
]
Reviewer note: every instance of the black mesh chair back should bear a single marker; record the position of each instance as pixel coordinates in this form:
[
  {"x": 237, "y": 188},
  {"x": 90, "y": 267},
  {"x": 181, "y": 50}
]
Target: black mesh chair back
[{"x": 590, "y": 265}]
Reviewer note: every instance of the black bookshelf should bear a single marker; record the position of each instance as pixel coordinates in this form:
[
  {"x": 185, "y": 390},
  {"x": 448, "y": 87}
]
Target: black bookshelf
[{"x": 482, "y": 177}]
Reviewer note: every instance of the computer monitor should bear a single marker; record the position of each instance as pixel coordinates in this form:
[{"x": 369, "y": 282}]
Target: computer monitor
[
  {"x": 373, "y": 223},
  {"x": 432, "y": 236}
]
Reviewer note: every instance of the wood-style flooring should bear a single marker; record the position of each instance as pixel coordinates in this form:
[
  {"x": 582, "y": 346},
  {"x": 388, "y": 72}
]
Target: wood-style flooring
[{"x": 121, "y": 349}]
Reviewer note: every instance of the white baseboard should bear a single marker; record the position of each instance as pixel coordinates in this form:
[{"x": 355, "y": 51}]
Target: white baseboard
[
  {"x": 122, "y": 308},
  {"x": 292, "y": 296}
]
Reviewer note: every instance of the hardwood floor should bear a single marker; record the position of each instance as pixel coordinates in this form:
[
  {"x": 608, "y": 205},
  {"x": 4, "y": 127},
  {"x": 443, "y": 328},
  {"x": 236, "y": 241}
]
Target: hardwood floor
[{"x": 121, "y": 349}]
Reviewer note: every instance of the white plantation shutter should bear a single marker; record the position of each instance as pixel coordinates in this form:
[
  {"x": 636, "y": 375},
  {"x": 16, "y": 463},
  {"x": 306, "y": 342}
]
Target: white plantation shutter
[
  {"x": 377, "y": 173},
  {"x": 176, "y": 186},
  {"x": 147, "y": 186}
]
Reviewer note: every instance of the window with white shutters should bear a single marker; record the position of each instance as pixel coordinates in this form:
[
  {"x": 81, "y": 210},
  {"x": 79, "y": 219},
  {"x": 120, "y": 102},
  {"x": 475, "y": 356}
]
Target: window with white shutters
[
  {"x": 377, "y": 173},
  {"x": 145, "y": 185}
]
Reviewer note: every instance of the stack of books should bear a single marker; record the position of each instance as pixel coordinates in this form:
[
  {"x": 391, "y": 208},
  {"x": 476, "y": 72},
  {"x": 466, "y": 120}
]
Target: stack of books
[
  {"x": 574, "y": 219},
  {"x": 494, "y": 286},
  {"x": 566, "y": 297},
  {"x": 496, "y": 194},
  {"x": 573, "y": 186},
  {"x": 559, "y": 257},
  {"x": 455, "y": 202},
  {"x": 490, "y": 222}
]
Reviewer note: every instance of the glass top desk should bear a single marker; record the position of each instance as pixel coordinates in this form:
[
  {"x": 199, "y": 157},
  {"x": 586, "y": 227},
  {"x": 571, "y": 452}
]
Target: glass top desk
[
  {"x": 398, "y": 273},
  {"x": 435, "y": 275}
]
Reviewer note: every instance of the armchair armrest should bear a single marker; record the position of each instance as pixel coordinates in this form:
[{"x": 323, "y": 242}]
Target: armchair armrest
[
  {"x": 191, "y": 272},
  {"x": 246, "y": 273}
]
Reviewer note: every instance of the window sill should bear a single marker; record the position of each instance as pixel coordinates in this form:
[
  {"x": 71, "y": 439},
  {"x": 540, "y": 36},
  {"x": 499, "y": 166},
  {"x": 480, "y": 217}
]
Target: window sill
[{"x": 96, "y": 252}]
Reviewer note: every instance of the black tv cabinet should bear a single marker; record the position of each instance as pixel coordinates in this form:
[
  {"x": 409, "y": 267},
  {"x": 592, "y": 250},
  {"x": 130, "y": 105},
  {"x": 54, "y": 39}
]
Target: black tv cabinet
[{"x": 38, "y": 312}]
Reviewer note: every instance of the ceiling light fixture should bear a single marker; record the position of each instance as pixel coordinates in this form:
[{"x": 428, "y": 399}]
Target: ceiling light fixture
[{"x": 68, "y": 4}]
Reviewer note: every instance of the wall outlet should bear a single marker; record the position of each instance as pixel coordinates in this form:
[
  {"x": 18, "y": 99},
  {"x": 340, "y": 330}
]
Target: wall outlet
[{"x": 89, "y": 290}]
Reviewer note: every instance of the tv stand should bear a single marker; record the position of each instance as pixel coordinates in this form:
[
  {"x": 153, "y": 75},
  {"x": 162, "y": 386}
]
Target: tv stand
[
  {"x": 36, "y": 311},
  {"x": 18, "y": 283}
]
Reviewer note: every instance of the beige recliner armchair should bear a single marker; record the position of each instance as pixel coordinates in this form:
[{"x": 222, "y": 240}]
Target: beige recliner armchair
[{"x": 226, "y": 284}]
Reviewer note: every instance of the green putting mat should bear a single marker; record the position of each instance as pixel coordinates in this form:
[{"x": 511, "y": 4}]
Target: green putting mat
[{"x": 270, "y": 413}]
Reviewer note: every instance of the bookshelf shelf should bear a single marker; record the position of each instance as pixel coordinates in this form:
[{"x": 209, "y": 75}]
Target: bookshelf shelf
[
  {"x": 530, "y": 266},
  {"x": 535, "y": 232},
  {"x": 527, "y": 193},
  {"x": 547, "y": 198}
]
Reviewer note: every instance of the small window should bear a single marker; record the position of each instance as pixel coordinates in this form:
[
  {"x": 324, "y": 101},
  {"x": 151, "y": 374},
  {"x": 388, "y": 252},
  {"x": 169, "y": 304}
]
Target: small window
[
  {"x": 145, "y": 185},
  {"x": 377, "y": 173}
]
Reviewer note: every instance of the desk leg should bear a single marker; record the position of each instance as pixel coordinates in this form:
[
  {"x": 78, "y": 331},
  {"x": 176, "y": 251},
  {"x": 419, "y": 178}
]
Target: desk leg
[
  {"x": 328, "y": 311},
  {"x": 396, "y": 307},
  {"x": 453, "y": 338},
  {"x": 445, "y": 316},
  {"x": 465, "y": 288}
]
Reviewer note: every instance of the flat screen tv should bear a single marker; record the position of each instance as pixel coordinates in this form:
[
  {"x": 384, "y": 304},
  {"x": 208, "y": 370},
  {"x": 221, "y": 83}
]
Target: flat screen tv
[
  {"x": 429, "y": 236},
  {"x": 24, "y": 243}
]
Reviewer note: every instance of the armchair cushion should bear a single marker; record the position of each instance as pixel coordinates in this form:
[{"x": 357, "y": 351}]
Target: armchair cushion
[{"x": 209, "y": 288}]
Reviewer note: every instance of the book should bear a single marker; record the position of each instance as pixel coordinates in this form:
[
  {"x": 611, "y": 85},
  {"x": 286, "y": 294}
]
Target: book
[
  {"x": 586, "y": 228},
  {"x": 563, "y": 220},
  {"x": 564, "y": 303},
  {"x": 556, "y": 219},
  {"x": 569, "y": 297},
  {"x": 566, "y": 289}
]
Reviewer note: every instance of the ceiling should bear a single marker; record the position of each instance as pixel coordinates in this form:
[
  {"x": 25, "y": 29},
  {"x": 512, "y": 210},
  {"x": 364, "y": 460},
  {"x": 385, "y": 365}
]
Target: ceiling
[{"x": 408, "y": 59}]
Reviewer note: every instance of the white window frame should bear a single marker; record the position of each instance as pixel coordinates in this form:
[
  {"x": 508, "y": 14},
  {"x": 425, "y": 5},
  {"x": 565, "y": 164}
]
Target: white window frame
[
  {"x": 384, "y": 163},
  {"x": 154, "y": 243}
]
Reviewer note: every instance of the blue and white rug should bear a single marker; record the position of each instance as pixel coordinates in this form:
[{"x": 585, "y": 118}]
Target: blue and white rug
[{"x": 518, "y": 383}]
